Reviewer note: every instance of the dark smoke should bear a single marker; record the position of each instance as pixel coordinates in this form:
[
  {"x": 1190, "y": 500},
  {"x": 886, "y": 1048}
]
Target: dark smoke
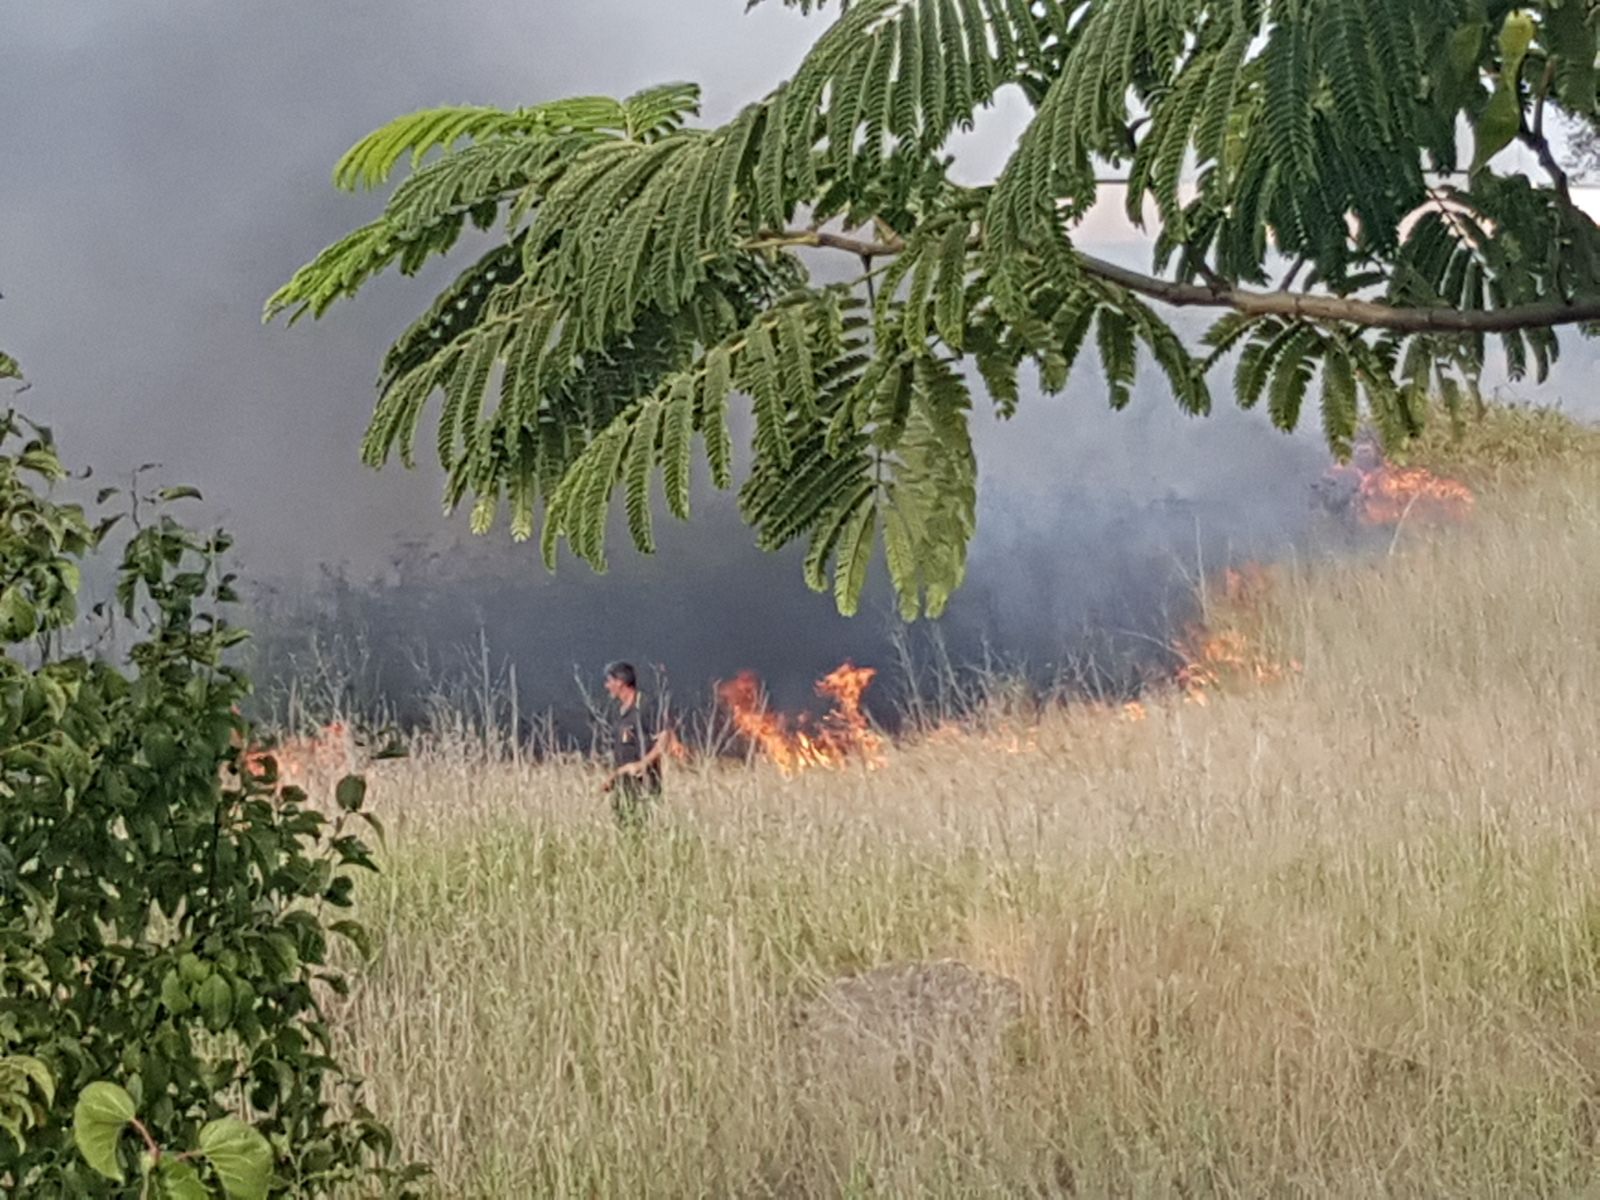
[{"x": 1094, "y": 527}]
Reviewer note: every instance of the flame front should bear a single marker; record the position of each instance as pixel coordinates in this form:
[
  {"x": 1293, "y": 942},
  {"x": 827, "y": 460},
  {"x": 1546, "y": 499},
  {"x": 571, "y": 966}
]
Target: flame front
[
  {"x": 1391, "y": 494},
  {"x": 1212, "y": 658},
  {"x": 1376, "y": 492},
  {"x": 845, "y": 734}
]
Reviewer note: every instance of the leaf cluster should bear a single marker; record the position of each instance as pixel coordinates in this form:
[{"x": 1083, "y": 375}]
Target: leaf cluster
[
  {"x": 651, "y": 269},
  {"x": 167, "y": 913}
]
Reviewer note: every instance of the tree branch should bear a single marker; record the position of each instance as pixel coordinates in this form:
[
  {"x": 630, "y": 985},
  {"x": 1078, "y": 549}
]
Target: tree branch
[
  {"x": 1306, "y": 306},
  {"x": 1542, "y": 314},
  {"x": 860, "y": 247},
  {"x": 1536, "y": 141},
  {"x": 1540, "y": 145}
]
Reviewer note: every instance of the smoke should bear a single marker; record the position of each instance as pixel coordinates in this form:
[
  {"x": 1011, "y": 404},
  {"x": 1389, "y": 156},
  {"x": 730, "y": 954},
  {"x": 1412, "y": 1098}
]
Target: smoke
[
  {"x": 1093, "y": 528},
  {"x": 168, "y": 167}
]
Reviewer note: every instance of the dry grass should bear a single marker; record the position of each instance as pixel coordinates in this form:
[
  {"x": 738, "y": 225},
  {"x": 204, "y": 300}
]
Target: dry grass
[{"x": 1338, "y": 936}]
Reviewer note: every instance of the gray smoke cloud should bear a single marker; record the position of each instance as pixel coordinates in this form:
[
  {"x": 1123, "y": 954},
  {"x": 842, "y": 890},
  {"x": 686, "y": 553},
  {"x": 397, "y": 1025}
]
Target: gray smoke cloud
[{"x": 168, "y": 166}]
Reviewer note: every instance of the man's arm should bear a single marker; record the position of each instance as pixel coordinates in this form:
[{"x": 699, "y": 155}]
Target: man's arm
[
  {"x": 656, "y": 753},
  {"x": 638, "y": 768}
]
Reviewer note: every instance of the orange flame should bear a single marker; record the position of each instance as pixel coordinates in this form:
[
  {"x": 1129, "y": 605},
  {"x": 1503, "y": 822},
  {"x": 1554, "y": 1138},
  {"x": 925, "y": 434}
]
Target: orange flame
[
  {"x": 1379, "y": 493},
  {"x": 1391, "y": 494},
  {"x": 322, "y": 755},
  {"x": 1215, "y": 658},
  {"x": 845, "y": 733}
]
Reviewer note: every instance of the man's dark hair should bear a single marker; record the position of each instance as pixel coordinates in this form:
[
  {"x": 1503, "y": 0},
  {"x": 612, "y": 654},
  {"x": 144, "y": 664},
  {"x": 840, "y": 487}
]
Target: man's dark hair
[{"x": 623, "y": 673}]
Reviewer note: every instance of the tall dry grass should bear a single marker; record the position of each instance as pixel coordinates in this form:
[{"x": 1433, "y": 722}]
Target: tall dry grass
[{"x": 1337, "y": 936}]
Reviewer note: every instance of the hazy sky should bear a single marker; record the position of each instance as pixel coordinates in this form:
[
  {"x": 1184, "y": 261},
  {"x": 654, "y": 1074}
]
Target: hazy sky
[{"x": 167, "y": 167}]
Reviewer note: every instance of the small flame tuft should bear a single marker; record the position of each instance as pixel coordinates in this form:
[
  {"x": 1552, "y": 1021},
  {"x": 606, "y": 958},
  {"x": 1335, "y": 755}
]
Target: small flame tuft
[
  {"x": 845, "y": 734},
  {"x": 1375, "y": 492},
  {"x": 1214, "y": 658},
  {"x": 301, "y": 760}
]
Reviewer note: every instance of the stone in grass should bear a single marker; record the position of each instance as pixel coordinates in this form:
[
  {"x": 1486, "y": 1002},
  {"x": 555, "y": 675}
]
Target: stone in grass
[{"x": 906, "y": 1019}]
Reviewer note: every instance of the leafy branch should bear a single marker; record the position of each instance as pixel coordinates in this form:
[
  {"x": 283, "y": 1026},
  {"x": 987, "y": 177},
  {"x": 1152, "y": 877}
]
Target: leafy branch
[
  {"x": 237, "y": 1157},
  {"x": 644, "y": 258}
]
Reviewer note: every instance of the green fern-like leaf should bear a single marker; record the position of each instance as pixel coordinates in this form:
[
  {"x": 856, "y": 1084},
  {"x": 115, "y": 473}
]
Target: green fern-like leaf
[
  {"x": 342, "y": 268},
  {"x": 371, "y": 160},
  {"x": 830, "y": 530},
  {"x": 910, "y": 70},
  {"x": 761, "y": 378},
  {"x": 714, "y": 415},
  {"x": 1259, "y": 359},
  {"x": 1118, "y": 354},
  {"x": 1291, "y": 377},
  {"x": 643, "y": 450},
  {"x": 643, "y": 268},
  {"x": 658, "y": 111},
  {"x": 677, "y": 445},
  {"x": 854, "y": 553},
  {"x": 1340, "y": 405}
]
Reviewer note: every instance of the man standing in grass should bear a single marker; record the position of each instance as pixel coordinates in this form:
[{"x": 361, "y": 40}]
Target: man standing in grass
[{"x": 635, "y": 780}]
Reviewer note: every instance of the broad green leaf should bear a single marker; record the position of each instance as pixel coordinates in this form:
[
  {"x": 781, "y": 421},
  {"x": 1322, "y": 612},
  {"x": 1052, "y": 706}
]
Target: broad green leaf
[
  {"x": 216, "y": 1002},
  {"x": 174, "y": 995},
  {"x": 351, "y": 792},
  {"x": 18, "y": 616},
  {"x": 36, "y": 1072},
  {"x": 1516, "y": 35},
  {"x": 241, "y": 1157},
  {"x": 1497, "y": 125},
  {"x": 285, "y": 957},
  {"x": 177, "y": 1180},
  {"x": 1501, "y": 118},
  {"x": 98, "y": 1119},
  {"x": 13, "y": 1126},
  {"x": 354, "y": 933}
]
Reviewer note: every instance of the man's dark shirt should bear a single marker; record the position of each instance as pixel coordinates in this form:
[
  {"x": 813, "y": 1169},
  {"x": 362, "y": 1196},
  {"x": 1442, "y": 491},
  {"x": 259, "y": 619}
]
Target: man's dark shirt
[{"x": 631, "y": 739}]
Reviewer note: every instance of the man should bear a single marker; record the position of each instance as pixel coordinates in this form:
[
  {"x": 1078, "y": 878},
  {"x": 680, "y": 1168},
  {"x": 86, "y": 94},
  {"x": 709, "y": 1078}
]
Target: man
[{"x": 636, "y": 778}]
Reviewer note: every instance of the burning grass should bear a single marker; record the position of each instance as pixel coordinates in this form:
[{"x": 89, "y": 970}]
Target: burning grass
[
  {"x": 845, "y": 735},
  {"x": 1377, "y": 492},
  {"x": 299, "y": 761},
  {"x": 1228, "y": 648},
  {"x": 1334, "y": 935}
]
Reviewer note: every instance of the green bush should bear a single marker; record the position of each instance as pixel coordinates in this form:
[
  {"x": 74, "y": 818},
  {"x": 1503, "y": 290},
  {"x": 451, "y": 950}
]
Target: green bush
[{"x": 166, "y": 911}]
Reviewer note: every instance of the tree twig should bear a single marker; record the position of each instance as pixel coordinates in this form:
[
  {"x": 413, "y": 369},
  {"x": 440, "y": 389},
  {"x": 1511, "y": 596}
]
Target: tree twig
[
  {"x": 1535, "y": 140},
  {"x": 1306, "y": 306}
]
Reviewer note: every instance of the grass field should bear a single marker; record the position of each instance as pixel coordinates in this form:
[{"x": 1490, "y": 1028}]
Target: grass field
[{"x": 1339, "y": 935}]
